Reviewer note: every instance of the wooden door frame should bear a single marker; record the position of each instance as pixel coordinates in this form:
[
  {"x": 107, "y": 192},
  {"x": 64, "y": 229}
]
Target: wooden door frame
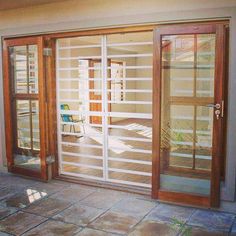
[
  {"x": 41, "y": 96},
  {"x": 214, "y": 199}
]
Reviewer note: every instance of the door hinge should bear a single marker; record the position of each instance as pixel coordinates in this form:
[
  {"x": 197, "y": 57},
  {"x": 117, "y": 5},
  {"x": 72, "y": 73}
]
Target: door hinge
[
  {"x": 47, "y": 52},
  {"x": 50, "y": 159}
]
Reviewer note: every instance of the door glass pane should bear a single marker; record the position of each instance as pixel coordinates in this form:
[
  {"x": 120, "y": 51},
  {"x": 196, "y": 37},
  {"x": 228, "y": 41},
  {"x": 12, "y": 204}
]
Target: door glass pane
[
  {"x": 79, "y": 81},
  {"x": 186, "y": 121},
  {"x": 28, "y": 142},
  {"x": 18, "y": 56},
  {"x": 129, "y": 86},
  {"x": 24, "y": 68},
  {"x": 33, "y": 68}
]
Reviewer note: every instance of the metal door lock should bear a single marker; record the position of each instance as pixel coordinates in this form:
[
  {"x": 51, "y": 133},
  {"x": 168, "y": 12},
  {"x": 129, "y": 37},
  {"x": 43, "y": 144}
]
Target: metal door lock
[{"x": 217, "y": 113}]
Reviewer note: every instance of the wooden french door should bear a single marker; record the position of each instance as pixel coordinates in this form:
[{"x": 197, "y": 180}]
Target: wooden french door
[
  {"x": 188, "y": 113},
  {"x": 25, "y": 107}
]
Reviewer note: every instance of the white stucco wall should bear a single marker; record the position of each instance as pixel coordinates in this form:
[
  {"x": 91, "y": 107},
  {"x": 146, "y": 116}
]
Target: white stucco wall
[{"x": 84, "y": 14}]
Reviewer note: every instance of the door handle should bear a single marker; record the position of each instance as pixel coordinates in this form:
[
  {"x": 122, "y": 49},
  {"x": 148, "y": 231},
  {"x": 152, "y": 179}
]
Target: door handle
[
  {"x": 219, "y": 109},
  {"x": 216, "y": 106}
]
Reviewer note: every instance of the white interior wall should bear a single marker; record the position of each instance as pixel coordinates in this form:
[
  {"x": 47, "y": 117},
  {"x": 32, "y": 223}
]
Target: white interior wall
[{"x": 79, "y": 15}]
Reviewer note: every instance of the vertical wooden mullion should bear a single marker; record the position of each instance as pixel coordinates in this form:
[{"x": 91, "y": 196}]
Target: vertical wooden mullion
[
  {"x": 31, "y": 126},
  {"x": 42, "y": 110},
  {"x": 52, "y": 106},
  {"x": 156, "y": 110},
  {"x": 218, "y": 124},
  {"x": 7, "y": 106},
  {"x": 195, "y": 106},
  {"x": 14, "y": 103},
  {"x": 27, "y": 67}
]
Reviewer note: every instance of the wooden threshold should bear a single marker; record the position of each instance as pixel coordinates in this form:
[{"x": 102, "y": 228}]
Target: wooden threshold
[
  {"x": 184, "y": 198},
  {"x": 106, "y": 185}
]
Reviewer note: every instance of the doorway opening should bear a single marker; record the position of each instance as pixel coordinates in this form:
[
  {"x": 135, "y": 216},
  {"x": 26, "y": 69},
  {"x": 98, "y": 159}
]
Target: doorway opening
[{"x": 106, "y": 84}]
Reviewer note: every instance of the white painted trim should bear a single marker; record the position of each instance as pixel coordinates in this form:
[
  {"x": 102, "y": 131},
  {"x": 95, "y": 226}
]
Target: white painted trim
[
  {"x": 82, "y": 165},
  {"x": 130, "y": 55},
  {"x": 129, "y": 44},
  {"x": 129, "y": 160},
  {"x": 82, "y": 155},
  {"x": 81, "y": 175},
  {"x": 130, "y": 172},
  {"x": 78, "y": 47},
  {"x": 81, "y": 145},
  {"x": 129, "y": 183},
  {"x": 130, "y": 138}
]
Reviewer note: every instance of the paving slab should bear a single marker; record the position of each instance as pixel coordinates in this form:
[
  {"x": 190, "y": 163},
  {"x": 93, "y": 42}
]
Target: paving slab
[
  {"x": 20, "y": 222},
  {"x": 233, "y": 229},
  {"x": 24, "y": 197},
  {"x": 202, "y": 232},
  {"x": 20, "y": 200},
  {"x": 153, "y": 228},
  {"x": 168, "y": 213},
  {"x": 103, "y": 199},
  {"x": 94, "y": 232},
  {"x": 114, "y": 222},
  {"x": 51, "y": 187},
  {"x": 6, "y": 211},
  {"x": 73, "y": 193},
  {"x": 16, "y": 181},
  {"x": 134, "y": 206},
  {"x": 79, "y": 214},
  {"x": 8, "y": 192},
  {"x": 228, "y": 207},
  {"x": 54, "y": 228},
  {"x": 48, "y": 207},
  {"x": 4, "y": 234},
  {"x": 212, "y": 220}
]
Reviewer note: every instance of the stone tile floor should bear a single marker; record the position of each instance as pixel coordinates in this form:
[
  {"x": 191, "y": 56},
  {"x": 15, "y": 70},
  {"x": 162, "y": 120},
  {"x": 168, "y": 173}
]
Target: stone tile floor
[{"x": 31, "y": 208}]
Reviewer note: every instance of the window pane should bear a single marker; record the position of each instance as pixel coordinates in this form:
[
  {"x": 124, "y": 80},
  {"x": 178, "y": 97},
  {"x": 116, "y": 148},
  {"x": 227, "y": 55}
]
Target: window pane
[
  {"x": 24, "y": 68},
  {"x": 28, "y": 139}
]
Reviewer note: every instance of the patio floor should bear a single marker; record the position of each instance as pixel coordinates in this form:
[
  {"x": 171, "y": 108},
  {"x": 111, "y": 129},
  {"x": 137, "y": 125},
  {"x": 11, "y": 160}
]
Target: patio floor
[{"x": 29, "y": 207}]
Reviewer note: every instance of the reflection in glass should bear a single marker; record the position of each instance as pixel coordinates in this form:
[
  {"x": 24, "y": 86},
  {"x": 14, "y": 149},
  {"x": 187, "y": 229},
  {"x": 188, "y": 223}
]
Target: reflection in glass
[
  {"x": 19, "y": 63},
  {"x": 24, "y": 68},
  {"x": 186, "y": 122},
  {"x": 28, "y": 140}
]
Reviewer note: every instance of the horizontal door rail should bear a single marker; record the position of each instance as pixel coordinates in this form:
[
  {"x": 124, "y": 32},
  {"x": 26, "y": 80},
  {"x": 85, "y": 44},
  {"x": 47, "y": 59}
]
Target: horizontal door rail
[
  {"x": 130, "y": 55},
  {"x": 89, "y": 135},
  {"x": 78, "y": 79},
  {"x": 79, "y": 68},
  {"x": 79, "y": 58},
  {"x": 130, "y": 67},
  {"x": 80, "y": 124},
  {"x": 130, "y": 149},
  {"x": 81, "y": 175},
  {"x": 129, "y": 44},
  {"x": 81, "y": 145},
  {"x": 82, "y": 155},
  {"x": 131, "y": 102},
  {"x": 129, "y": 183},
  {"x": 129, "y": 160},
  {"x": 129, "y": 171},
  {"x": 81, "y": 46},
  {"x": 82, "y": 165},
  {"x": 131, "y": 138},
  {"x": 134, "y": 127}
]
